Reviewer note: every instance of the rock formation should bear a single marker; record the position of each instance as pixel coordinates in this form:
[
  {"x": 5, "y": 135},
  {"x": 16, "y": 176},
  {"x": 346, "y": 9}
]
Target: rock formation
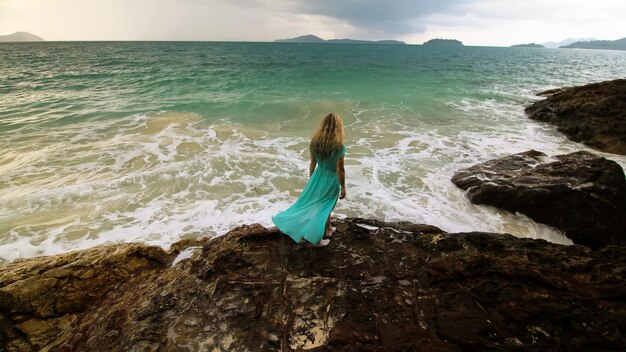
[
  {"x": 594, "y": 114},
  {"x": 376, "y": 287},
  {"x": 579, "y": 193}
]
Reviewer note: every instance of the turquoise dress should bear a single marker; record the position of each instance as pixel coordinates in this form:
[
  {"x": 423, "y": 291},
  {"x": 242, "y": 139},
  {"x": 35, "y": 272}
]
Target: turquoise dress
[{"x": 306, "y": 218}]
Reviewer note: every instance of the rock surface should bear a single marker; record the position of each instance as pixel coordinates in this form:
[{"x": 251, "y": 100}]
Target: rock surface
[
  {"x": 579, "y": 193},
  {"x": 594, "y": 114},
  {"x": 376, "y": 287},
  {"x": 40, "y": 297}
]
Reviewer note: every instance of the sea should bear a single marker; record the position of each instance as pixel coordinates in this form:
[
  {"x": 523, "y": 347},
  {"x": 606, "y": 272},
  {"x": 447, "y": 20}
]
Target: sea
[{"x": 106, "y": 142}]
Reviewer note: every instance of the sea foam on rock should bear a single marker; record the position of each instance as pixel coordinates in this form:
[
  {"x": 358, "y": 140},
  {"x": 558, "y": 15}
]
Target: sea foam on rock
[
  {"x": 376, "y": 287},
  {"x": 579, "y": 193}
]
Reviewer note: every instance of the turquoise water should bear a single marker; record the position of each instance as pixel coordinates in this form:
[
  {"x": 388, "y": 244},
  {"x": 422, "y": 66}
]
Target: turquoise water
[{"x": 157, "y": 141}]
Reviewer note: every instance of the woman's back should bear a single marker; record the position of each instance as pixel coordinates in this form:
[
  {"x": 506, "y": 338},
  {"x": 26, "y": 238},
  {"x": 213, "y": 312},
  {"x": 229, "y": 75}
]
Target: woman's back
[{"x": 330, "y": 162}]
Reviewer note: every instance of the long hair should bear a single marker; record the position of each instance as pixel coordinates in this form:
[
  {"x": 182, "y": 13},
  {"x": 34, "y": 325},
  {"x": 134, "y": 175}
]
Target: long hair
[{"x": 328, "y": 137}]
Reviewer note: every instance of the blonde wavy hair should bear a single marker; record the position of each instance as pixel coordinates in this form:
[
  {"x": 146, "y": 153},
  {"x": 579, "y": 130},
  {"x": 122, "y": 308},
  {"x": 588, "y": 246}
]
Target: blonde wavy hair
[{"x": 328, "y": 137}]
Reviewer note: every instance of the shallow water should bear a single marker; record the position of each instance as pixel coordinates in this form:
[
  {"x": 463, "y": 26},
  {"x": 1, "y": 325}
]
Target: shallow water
[{"x": 154, "y": 142}]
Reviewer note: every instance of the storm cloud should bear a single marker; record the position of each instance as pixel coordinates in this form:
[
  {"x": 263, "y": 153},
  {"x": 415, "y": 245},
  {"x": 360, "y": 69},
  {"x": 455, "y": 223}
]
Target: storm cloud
[{"x": 396, "y": 17}]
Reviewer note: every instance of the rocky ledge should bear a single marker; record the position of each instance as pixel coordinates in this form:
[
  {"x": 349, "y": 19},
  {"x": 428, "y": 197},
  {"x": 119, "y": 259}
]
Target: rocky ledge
[
  {"x": 593, "y": 114},
  {"x": 376, "y": 287},
  {"x": 579, "y": 193}
]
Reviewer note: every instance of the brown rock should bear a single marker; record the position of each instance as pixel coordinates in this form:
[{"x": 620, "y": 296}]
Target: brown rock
[
  {"x": 376, "y": 287},
  {"x": 578, "y": 193},
  {"x": 40, "y": 294},
  {"x": 594, "y": 114}
]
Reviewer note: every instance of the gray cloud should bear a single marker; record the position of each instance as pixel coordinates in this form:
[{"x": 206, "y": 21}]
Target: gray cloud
[{"x": 394, "y": 17}]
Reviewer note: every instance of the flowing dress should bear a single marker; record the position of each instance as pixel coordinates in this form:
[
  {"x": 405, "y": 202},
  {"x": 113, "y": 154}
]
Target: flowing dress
[{"x": 306, "y": 218}]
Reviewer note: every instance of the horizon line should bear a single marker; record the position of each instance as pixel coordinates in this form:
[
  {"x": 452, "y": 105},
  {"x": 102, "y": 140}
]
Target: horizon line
[{"x": 276, "y": 41}]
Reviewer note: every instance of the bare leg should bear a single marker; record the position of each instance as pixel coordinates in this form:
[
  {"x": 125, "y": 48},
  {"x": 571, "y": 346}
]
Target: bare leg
[{"x": 329, "y": 229}]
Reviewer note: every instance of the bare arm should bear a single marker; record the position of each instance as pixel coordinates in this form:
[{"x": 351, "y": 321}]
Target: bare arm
[
  {"x": 341, "y": 175},
  {"x": 312, "y": 164}
]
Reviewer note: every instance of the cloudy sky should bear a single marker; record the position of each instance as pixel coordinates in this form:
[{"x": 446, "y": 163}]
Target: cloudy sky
[{"x": 474, "y": 22}]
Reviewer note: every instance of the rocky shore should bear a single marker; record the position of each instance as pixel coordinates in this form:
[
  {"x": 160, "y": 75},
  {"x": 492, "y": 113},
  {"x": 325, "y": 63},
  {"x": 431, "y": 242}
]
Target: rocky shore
[
  {"x": 594, "y": 114},
  {"x": 579, "y": 193},
  {"x": 376, "y": 287}
]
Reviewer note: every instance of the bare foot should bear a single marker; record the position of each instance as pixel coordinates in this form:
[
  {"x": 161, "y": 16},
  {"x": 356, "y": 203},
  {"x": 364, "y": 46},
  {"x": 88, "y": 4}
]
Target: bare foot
[
  {"x": 322, "y": 243},
  {"x": 330, "y": 233}
]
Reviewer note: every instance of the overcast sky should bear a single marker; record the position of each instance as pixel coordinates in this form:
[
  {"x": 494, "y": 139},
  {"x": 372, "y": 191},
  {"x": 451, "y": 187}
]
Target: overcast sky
[{"x": 474, "y": 22}]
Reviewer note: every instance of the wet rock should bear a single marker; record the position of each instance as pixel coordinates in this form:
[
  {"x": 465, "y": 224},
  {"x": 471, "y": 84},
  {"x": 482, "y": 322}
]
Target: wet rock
[
  {"x": 578, "y": 193},
  {"x": 594, "y": 114},
  {"x": 398, "y": 287},
  {"x": 40, "y": 295}
]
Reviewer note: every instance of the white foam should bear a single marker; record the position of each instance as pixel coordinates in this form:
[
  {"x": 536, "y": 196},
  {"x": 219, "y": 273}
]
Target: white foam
[
  {"x": 162, "y": 177},
  {"x": 369, "y": 227},
  {"x": 185, "y": 254}
]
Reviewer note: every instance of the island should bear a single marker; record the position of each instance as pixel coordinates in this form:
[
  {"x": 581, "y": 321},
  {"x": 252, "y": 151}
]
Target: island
[
  {"x": 21, "y": 37},
  {"x": 302, "y": 39},
  {"x": 619, "y": 44},
  {"x": 315, "y": 39},
  {"x": 444, "y": 42},
  {"x": 556, "y": 45},
  {"x": 529, "y": 45}
]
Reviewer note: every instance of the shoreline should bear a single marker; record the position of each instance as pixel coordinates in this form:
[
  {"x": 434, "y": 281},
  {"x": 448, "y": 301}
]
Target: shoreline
[{"x": 377, "y": 285}]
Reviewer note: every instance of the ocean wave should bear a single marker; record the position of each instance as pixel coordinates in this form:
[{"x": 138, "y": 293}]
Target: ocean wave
[{"x": 160, "y": 177}]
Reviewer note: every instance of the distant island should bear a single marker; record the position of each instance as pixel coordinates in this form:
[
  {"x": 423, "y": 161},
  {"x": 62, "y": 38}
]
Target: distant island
[
  {"x": 443, "y": 42},
  {"x": 529, "y": 45},
  {"x": 619, "y": 44},
  {"x": 567, "y": 41},
  {"x": 20, "y": 37},
  {"x": 315, "y": 39}
]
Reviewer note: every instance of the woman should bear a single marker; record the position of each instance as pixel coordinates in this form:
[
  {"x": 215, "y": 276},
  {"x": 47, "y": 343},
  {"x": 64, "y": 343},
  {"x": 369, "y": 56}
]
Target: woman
[{"x": 309, "y": 217}]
